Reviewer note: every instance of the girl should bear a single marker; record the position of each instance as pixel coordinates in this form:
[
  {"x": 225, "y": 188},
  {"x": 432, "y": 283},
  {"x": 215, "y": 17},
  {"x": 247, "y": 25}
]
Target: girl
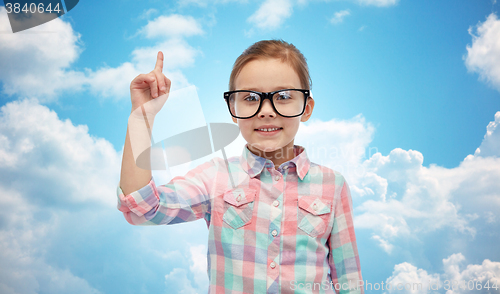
[{"x": 277, "y": 222}]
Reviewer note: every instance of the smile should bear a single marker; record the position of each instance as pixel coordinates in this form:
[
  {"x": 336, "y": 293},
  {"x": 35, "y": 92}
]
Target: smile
[{"x": 268, "y": 130}]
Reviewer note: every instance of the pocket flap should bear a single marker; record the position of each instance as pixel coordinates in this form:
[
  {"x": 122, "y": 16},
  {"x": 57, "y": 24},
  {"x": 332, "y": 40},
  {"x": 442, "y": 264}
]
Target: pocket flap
[
  {"x": 314, "y": 205},
  {"x": 239, "y": 196}
]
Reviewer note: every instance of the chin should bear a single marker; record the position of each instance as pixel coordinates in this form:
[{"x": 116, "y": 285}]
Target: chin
[{"x": 265, "y": 147}]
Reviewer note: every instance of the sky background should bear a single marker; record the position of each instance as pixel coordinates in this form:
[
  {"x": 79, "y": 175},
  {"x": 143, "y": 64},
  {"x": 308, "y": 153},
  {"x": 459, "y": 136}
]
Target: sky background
[{"x": 407, "y": 107}]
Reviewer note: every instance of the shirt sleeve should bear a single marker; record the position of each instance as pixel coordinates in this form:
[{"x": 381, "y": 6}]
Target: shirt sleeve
[
  {"x": 183, "y": 199},
  {"x": 345, "y": 269}
]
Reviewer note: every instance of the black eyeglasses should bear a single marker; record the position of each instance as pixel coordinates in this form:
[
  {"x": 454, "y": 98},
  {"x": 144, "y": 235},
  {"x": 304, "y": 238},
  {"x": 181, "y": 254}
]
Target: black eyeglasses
[{"x": 246, "y": 104}]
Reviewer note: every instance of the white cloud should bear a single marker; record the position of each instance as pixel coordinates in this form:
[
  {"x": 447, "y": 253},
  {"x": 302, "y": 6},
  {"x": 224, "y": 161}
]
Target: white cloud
[
  {"x": 473, "y": 275},
  {"x": 491, "y": 141},
  {"x": 177, "y": 282},
  {"x": 115, "y": 81},
  {"x": 407, "y": 278},
  {"x": 201, "y": 3},
  {"x": 338, "y": 144},
  {"x": 490, "y": 217},
  {"x": 372, "y": 185},
  {"x": 476, "y": 177},
  {"x": 339, "y": 16},
  {"x": 271, "y": 14},
  {"x": 379, "y": 3},
  {"x": 59, "y": 225},
  {"x": 396, "y": 196},
  {"x": 173, "y": 25},
  {"x": 146, "y": 14},
  {"x": 23, "y": 271},
  {"x": 50, "y": 171},
  {"x": 453, "y": 280},
  {"x": 421, "y": 199},
  {"x": 36, "y": 62},
  {"x": 386, "y": 246},
  {"x": 178, "y": 54},
  {"x": 405, "y": 198},
  {"x": 204, "y": 3},
  {"x": 67, "y": 162},
  {"x": 112, "y": 81},
  {"x": 198, "y": 265},
  {"x": 483, "y": 56}
]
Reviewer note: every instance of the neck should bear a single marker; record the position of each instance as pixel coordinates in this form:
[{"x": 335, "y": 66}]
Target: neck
[{"x": 277, "y": 156}]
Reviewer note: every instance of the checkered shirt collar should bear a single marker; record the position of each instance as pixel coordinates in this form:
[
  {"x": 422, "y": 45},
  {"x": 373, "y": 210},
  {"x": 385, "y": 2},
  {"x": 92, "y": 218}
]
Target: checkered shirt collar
[{"x": 254, "y": 164}]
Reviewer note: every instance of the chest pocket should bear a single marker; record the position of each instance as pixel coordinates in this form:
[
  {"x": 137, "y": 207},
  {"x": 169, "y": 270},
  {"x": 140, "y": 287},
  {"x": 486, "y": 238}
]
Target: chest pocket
[
  {"x": 313, "y": 215},
  {"x": 238, "y": 207}
]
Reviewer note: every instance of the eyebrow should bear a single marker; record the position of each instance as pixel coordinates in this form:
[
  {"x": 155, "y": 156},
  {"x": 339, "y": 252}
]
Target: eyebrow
[{"x": 277, "y": 88}]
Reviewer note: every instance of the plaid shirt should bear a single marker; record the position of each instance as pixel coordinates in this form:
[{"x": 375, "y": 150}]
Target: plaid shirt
[{"x": 285, "y": 230}]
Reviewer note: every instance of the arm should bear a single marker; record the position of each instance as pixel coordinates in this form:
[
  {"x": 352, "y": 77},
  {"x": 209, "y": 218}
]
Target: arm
[
  {"x": 132, "y": 177},
  {"x": 343, "y": 258},
  {"x": 142, "y": 203},
  {"x": 148, "y": 93},
  {"x": 183, "y": 199}
]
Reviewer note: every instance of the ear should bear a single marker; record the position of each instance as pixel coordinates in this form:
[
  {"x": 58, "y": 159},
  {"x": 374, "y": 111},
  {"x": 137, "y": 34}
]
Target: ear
[{"x": 309, "y": 109}]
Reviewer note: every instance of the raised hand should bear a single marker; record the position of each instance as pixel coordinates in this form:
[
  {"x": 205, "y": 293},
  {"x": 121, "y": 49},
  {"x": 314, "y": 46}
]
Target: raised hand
[
  {"x": 150, "y": 90},
  {"x": 148, "y": 93}
]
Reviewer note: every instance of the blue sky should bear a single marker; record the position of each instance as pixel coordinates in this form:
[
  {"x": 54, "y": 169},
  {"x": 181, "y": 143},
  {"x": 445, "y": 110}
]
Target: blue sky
[{"x": 407, "y": 106}]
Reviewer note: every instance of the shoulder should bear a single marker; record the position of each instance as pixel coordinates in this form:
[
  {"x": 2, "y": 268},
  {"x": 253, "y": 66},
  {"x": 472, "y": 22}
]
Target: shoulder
[
  {"x": 327, "y": 174},
  {"x": 220, "y": 162},
  {"x": 222, "y": 166},
  {"x": 210, "y": 167}
]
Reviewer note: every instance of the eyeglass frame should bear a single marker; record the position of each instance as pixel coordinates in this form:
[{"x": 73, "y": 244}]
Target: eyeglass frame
[{"x": 267, "y": 95}]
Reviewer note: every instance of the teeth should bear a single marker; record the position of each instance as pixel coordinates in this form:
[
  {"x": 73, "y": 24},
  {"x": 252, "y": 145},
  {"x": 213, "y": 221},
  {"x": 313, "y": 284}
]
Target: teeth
[{"x": 269, "y": 130}]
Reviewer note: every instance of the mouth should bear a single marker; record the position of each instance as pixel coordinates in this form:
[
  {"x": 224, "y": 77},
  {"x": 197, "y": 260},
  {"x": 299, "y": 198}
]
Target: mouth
[{"x": 268, "y": 131}]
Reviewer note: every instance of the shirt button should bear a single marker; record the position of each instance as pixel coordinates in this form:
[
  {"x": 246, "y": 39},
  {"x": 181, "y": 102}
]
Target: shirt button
[
  {"x": 276, "y": 203},
  {"x": 274, "y": 233},
  {"x": 273, "y": 264},
  {"x": 238, "y": 199},
  {"x": 315, "y": 206},
  {"x": 277, "y": 178}
]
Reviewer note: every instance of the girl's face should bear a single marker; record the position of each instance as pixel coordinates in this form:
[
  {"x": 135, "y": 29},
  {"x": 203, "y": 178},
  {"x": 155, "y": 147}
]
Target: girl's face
[{"x": 267, "y": 75}]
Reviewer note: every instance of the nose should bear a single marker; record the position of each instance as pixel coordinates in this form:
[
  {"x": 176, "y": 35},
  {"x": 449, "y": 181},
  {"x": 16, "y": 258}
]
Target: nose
[{"x": 266, "y": 109}]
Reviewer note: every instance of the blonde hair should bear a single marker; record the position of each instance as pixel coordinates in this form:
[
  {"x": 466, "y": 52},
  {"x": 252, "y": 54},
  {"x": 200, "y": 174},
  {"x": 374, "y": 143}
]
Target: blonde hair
[{"x": 277, "y": 49}]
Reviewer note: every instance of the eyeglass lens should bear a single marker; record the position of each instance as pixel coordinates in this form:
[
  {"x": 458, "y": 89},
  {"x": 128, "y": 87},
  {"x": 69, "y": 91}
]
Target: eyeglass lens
[{"x": 246, "y": 104}]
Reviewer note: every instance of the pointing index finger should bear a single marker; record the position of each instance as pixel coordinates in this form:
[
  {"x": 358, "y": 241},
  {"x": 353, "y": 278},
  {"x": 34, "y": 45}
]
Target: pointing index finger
[{"x": 159, "y": 61}]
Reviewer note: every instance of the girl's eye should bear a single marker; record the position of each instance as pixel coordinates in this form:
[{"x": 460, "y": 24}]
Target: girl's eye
[
  {"x": 284, "y": 96},
  {"x": 252, "y": 97}
]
